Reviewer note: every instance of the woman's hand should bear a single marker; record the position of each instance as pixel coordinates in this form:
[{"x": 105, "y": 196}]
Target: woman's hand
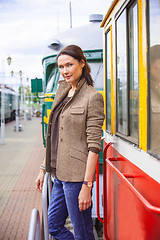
[
  {"x": 39, "y": 180},
  {"x": 84, "y": 198}
]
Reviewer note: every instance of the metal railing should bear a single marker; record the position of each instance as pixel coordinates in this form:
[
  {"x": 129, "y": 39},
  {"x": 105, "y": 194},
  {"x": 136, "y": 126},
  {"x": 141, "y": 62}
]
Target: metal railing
[
  {"x": 104, "y": 178},
  {"x": 46, "y": 192},
  {"x": 34, "y": 226},
  {"x": 97, "y": 192}
]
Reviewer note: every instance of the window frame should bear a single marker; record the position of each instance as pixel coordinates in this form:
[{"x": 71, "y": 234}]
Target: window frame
[
  {"x": 106, "y": 100},
  {"x": 125, "y": 7}
]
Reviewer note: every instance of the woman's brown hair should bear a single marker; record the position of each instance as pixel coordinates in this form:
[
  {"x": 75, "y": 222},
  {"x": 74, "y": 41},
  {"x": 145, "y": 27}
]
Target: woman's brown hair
[{"x": 77, "y": 53}]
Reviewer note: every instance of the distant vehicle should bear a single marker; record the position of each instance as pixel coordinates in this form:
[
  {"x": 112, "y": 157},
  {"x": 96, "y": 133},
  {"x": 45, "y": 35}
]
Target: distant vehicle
[{"x": 9, "y": 103}]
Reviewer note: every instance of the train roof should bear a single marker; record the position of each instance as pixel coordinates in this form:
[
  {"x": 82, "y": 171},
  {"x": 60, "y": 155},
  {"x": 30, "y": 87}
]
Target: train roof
[
  {"x": 88, "y": 37},
  {"x": 8, "y": 90},
  {"x": 113, "y": 4}
]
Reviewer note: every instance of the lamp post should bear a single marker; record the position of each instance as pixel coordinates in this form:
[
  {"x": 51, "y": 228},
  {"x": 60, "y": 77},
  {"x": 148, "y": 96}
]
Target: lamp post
[
  {"x": 17, "y": 115},
  {"x": 20, "y": 74},
  {"x": 27, "y": 99},
  {"x": 22, "y": 95},
  {"x": 3, "y": 102}
]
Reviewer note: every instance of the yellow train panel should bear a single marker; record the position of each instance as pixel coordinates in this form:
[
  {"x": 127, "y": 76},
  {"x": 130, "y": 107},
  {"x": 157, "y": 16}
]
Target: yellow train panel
[{"x": 142, "y": 75}]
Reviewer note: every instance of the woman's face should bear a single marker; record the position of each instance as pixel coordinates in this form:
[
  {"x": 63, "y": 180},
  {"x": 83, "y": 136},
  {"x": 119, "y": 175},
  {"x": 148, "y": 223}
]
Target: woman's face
[
  {"x": 70, "y": 68},
  {"x": 155, "y": 70}
]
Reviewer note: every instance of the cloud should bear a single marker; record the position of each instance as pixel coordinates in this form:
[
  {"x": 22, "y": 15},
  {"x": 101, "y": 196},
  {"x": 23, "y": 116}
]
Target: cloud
[{"x": 27, "y": 25}]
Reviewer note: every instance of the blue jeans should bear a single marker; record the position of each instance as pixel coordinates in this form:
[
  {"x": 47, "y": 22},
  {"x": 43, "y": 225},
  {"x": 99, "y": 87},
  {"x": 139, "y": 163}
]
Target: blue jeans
[{"x": 64, "y": 201}]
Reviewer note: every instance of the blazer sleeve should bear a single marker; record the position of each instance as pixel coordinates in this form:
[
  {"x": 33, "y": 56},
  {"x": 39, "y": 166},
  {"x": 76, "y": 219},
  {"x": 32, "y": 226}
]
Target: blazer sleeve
[{"x": 95, "y": 118}]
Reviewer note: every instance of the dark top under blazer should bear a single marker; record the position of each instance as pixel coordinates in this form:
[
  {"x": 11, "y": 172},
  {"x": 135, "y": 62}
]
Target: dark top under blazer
[{"x": 80, "y": 128}]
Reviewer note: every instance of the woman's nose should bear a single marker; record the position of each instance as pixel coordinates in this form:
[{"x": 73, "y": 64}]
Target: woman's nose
[{"x": 65, "y": 70}]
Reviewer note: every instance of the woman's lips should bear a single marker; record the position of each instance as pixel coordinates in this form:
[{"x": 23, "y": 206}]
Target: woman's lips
[{"x": 68, "y": 77}]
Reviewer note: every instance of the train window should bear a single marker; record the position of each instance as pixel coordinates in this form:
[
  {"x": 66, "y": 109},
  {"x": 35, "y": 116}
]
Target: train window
[
  {"x": 122, "y": 86},
  {"x": 51, "y": 78},
  {"x": 108, "y": 80},
  {"x": 154, "y": 52},
  {"x": 97, "y": 74},
  {"x": 133, "y": 71},
  {"x": 127, "y": 73}
]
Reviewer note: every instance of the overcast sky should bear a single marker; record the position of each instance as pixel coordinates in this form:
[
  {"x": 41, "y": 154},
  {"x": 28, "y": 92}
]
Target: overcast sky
[{"x": 27, "y": 25}]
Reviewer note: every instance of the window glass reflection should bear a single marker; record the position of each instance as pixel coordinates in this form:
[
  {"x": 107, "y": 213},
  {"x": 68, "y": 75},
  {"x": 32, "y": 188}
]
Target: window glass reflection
[
  {"x": 154, "y": 11},
  {"x": 97, "y": 74},
  {"x": 50, "y": 83},
  {"x": 108, "y": 80},
  {"x": 133, "y": 72},
  {"x": 122, "y": 92}
]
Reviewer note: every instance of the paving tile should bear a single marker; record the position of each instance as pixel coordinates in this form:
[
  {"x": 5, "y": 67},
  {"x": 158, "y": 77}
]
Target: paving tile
[{"x": 20, "y": 159}]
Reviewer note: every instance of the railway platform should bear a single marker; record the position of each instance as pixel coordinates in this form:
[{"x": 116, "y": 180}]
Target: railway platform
[{"x": 20, "y": 158}]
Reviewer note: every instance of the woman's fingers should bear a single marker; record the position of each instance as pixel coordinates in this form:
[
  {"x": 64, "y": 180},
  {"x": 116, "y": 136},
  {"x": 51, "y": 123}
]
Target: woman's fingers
[
  {"x": 39, "y": 181},
  {"x": 41, "y": 185},
  {"x": 83, "y": 206}
]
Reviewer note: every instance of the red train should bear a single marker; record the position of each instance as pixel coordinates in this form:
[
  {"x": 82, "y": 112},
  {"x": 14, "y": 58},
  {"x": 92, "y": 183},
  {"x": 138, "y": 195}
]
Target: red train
[{"x": 131, "y": 154}]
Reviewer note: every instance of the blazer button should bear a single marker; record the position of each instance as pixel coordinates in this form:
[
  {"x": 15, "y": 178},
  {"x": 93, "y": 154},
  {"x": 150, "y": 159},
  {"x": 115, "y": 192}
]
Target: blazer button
[
  {"x": 62, "y": 116},
  {"x": 62, "y": 128},
  {"x": 61, "y": 140}
]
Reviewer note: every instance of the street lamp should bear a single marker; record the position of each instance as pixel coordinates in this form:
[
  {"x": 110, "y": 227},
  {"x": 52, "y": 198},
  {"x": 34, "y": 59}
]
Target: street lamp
[
  {"x": 20, "y": 73},
  {"x": 9, "y": 59},
  {"x": 3, "y": 103},
  {"x": 12, "y": 73}
]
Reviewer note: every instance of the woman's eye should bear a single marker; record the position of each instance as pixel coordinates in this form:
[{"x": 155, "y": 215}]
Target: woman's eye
[
  {"x": 70, "y": 64},
  {"x": 60, "y": 67}
]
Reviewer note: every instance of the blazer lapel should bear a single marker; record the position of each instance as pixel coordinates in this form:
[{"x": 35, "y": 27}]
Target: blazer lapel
[
  {"x": 63, "y": 90},
  {"x": 60, "y": 95}
]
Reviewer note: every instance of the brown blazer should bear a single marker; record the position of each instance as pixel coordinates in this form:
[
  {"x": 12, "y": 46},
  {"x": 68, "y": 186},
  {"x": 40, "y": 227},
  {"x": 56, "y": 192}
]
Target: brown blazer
[{"x": 80, "y": 128}]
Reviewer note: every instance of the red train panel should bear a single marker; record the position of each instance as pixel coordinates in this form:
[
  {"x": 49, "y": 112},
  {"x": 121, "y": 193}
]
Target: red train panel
[{"x": 131, "y": 200}]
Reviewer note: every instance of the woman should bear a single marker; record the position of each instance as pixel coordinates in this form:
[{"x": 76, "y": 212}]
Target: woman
[{"x": 73, "y": 145}]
